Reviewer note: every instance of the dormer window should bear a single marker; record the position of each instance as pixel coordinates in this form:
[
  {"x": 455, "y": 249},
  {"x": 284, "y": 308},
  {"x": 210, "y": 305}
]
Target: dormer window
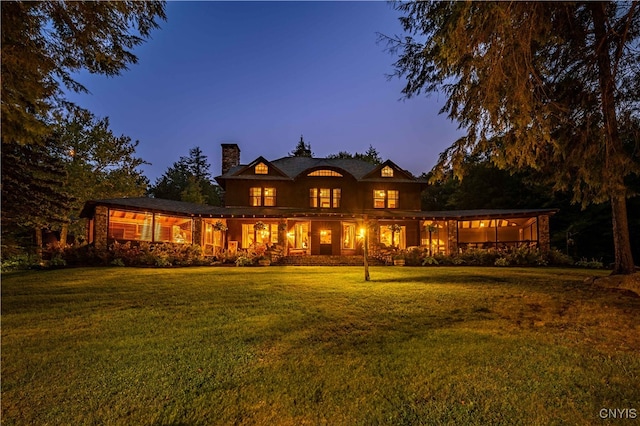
[
  {"x": 387, "y": 171},
  {"x": 261, "y": 169},
  {"x": 325, "y": 172}
]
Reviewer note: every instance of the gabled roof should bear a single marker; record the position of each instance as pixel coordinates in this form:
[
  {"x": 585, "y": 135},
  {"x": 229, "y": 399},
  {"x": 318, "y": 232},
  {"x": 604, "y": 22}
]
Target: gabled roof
[
  {"x": 241, "y": 170},
  {"x": 399, "y": 173},
  {"x": 294, "y": 167}
]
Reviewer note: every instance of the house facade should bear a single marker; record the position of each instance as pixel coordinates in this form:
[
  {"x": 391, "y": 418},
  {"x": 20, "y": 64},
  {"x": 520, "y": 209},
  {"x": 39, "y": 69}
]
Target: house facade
[{"x": 313, "y": 206}]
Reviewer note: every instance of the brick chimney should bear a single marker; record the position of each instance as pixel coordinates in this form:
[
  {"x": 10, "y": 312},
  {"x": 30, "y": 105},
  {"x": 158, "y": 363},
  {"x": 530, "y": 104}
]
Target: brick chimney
[{"x": 230, "y": 156}]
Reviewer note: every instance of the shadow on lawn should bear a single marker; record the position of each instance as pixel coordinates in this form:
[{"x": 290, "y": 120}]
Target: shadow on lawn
[{"x": 446, "y": 279}]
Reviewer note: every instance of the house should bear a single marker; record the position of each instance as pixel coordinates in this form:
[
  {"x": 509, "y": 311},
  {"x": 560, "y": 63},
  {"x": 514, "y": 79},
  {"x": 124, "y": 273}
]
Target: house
[{"x": 313, "y": 206}]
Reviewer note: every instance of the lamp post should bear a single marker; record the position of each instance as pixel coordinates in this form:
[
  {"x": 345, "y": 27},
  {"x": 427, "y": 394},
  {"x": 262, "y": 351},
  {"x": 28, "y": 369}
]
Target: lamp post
[{"x": 366, "y": 249}]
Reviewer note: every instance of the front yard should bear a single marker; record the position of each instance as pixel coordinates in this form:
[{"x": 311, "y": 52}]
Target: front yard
[{"x": 305, "y": 345}]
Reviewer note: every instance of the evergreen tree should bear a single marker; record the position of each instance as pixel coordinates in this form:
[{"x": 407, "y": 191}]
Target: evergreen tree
[
  {"x": 188, "y": 179},
  {"x": 542, "y": 85},
  {"x": 302, "y": 149},
  {"x": 98, "y": 164}
]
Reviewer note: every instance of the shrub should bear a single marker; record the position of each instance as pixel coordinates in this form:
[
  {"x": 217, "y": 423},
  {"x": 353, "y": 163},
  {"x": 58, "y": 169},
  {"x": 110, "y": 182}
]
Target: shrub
[
  {"x": 591, "y": 264},
  {"x": 428, "y": 260},
  {"x": 414, "y": 257},
  {"x": 117, "y": 262},
  {"x": 480, "y": 257},
  {"x": 501, "y": 262},
  {"x": 244, "y": 260},
  {"x": 558, "y": 258},
  {"x": 19, "y": 262}
]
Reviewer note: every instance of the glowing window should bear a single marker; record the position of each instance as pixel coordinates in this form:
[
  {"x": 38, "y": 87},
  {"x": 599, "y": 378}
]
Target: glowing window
[
  {"x": 387, "y": 171},
  {"x": 337, "y": 193},
  {"x": 261, "y": 169},
  {"x": 255, "y": 197},
  {"x": 385, "y": 198},
  {"x": 379, "y": 198},
  {"x": 313, "y": 197},
  {"x": 392, "y": 199},
  {"x": 393, "y": 236},
  {"x": 325, "y": 197},
  {"x": 269, "y": 197},
  {"x": 325, "y": 172},
  {"x": 349, "y": 236},
  {"x": 262, "y": 197}
]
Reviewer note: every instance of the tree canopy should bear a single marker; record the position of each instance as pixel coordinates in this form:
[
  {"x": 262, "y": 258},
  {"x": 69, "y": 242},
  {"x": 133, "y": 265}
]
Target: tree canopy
[
  {"x": 547, "y": 86},
  {"x": 45, "y": 42},
  {"x": 98, "y": 164},
  {"x": 188, "y": 179},
  {"x": 370, "y": 156}
]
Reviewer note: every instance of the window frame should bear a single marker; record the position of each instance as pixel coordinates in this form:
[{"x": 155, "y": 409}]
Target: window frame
[
  {"x": 325, "y": 198},
  {"x": 259, "y": 196},
  {"x": 386, "y": 198}
]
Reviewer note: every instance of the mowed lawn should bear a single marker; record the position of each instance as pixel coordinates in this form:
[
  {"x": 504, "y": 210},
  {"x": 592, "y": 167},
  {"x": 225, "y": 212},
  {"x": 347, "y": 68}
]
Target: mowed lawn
[{"x": 316, "y": 345}]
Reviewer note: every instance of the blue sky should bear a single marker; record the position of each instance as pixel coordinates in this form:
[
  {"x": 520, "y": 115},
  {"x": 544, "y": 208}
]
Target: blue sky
[{"x": 261, "y": 74}]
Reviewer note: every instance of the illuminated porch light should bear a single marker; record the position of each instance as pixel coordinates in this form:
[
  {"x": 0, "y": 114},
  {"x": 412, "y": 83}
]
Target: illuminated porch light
[{"x": 361, "y": 232}]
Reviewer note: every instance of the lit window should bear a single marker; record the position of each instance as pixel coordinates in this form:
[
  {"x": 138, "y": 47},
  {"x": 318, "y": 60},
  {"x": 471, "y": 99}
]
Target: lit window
[
  {"x": 325, "y": 172},
  {"x": 337, "y": 193},
  {"x": 261, "y": 169},
  {"x": 262, "y": 197},
  {"x": 393, "y": 236},
  {"x": 387, "y": 171},
  {"x": 392, "y": 199},
  {"x": 385, "y": 198},
  {"x": 379, "y": 198},
  {"x": 255, "y": 196},
  {"x": 269, "y": 197},
  {"x": 325, "y": 197},
  {"x": 349, "y": 236},
  {"x": 171, "y": 229},
  {"x": 142, "y": 226}
]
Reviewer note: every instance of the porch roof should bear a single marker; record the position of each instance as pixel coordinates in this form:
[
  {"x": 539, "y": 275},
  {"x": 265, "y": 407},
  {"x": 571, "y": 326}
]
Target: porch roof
[{"x": 158, "y": 205}]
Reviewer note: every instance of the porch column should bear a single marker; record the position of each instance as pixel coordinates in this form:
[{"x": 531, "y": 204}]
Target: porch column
[
  {"x": 196, "y": 238},
  {"x": 452, "y": 237},
  {"x": 100, "y": 223},
  {"x": 544, "y": 237}
]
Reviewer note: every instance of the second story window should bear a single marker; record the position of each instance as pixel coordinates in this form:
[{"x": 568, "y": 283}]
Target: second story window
[
  {"x": 385, "y": 198},
  {"x": 325, "y": 198},
  {"x": 262, "y": 197}
]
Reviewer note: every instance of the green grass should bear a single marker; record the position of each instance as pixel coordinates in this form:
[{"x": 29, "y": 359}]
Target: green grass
[{"x": 305, "y": 345}]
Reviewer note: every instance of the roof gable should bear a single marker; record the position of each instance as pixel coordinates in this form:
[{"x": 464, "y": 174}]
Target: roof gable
[
  {"x": 252, "y": 169},
  {"x": 397, "y": 173}
]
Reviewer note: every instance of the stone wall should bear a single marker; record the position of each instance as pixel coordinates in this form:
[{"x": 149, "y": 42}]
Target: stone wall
[
  {"x": 544, "y": 236},
  {"x": 100, "y": 224}
]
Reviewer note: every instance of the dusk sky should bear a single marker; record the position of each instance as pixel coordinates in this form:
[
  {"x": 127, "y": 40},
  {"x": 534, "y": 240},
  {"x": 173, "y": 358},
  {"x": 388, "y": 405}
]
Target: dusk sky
[{"x": 261, "y": 74}]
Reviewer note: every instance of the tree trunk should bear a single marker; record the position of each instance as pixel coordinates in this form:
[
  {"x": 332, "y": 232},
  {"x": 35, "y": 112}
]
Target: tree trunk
[
  {"x": 38, "y": 233},
  {"x": 64, "y": 231},
  {"x": 621, "y": 240}
]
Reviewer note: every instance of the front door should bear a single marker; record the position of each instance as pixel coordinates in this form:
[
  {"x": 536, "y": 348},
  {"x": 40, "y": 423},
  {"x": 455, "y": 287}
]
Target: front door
[{"x": 325, "y": 242}]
